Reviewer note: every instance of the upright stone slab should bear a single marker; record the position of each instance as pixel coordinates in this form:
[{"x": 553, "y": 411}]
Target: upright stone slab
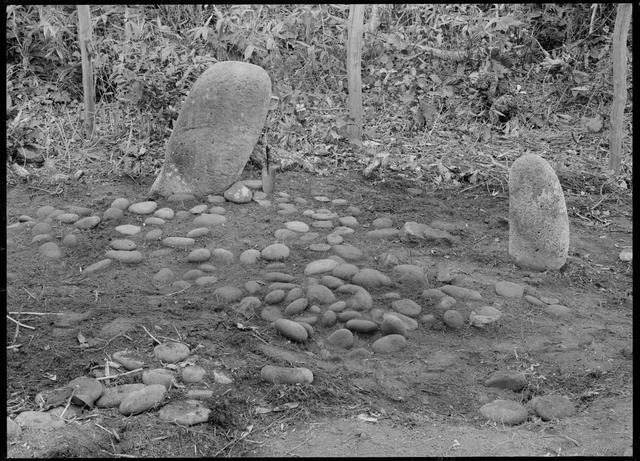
[
  {"x": 218, "y": 126},
  {"x": 538, "y": 220}
]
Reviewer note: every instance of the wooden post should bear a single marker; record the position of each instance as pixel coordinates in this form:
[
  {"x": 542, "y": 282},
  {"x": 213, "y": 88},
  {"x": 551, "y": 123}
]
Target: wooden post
[
  {"x": 84, "y": 37},
  {"x": 354, "y": 60},
  {"x": 623, "y": 18}
]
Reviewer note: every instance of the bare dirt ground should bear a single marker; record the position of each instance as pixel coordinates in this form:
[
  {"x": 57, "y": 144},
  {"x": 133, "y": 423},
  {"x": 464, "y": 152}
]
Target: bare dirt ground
[{"x": 422, "y": 401}]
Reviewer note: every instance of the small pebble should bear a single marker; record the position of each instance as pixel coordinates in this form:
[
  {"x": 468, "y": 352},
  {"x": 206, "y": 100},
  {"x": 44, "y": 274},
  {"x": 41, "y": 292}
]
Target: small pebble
[
  {"x": 143, "y": 207},
  {"x": 361, "y": 325},
  {"x": 271, "y": 313},
  {"x": 328, "y": 319},
  {"x": 382, "y": 223},
  {"x": 120, "y": 203},
  {"x": 291, "y": 330},
  {"x": 514, "y": 381},
  {"x": 319, "y": 247},
  {"x": 184, "y": 413},
  {"x": 140, "y": 401},
  {"x": 509, "y": 289},
  {"x": 275, "y": 296},
  {"x": 67, "y": 218},
  {"x": 193, "y": 374},
  {"x": 453, "y": 319},
  {"x": 153, "y": 234},
  {"x": 199, "y": 255},
  {"x": 320, "y": 294},
  {"x": 348, "y": 252},
  {"x": 42, "y": 238},
  {"x": 50, "y": 250},
  {"x": 297, "y": 226},
  {"x": 164, "y": 213},
  {"x": 504, "y": 411},
  {"x": 216, "y": 199},
  {"x": 275, "y": 252},
  {"x": 130, "y": 360},
  {"x": 126, "y": 257},
  {"x": 389, "y": 344},
  {"x": 70, "y": 240},
  {"x": 285, "y": 234},
  {"x": 128, "y": 229},
  {"x": 407, "y": 307},
  {"x": 198, "y": 232},
  {"x": 209, "y": 220},
  {"x": 557, "y": 310},
  {"x": 123, "y": 244},
  {"x": 296, "y": 306},
  {"x": 533, "y": 300},
  {"x": 113, "y": 396},
  {"x": 549, "y": 300},
  {"x": 342, "y": 338},
  {"x": 249, "y": 257},
  {"x": 206, "y": 280},
  {"x": 393, "y": 325},
  {"x": 345, "y": 316},
  {"x": 171, "y": 352},
  {"x": 97, "y": 267},
  {"x": 112, "y": 214},
  {"x": 461, "y": 292},
  {"x": 338, "y": 306},
  {"x": 199, "y": 209},
  {"x": 319, "y": 266},
  {"x": 286, "y": 375},
  {"x": 164, "y": 276},
  {"x": 178, "y": 242},
  {"x": 160, "y": 376}
]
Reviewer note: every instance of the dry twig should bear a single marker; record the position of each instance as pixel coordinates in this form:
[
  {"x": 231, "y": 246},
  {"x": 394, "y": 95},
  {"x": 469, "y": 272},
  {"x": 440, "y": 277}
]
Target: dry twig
[{"x": 20, "y": 324}]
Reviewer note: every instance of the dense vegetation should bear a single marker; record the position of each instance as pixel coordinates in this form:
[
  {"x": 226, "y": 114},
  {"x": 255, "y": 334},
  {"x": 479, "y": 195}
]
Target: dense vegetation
[{"x": 430, "y": 73}]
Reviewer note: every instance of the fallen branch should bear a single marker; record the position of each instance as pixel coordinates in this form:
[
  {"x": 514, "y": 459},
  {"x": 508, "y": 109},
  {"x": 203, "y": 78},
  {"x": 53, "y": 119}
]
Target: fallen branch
[
  {"x": 36, "y": 313},
  {"x": 152, "y": 337}
]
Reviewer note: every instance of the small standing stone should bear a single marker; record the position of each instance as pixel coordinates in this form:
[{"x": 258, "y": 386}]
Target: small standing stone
[{"x": 538, "y": 219}]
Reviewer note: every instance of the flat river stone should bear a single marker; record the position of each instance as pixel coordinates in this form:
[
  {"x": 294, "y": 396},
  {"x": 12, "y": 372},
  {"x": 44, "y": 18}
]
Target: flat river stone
[
  {"x": 185, "y": 412},
  {"x": 126, "y": 257},
  {"x": 504, "y": 411},
  {"x": 171, "y": 352},
  {"x": 143, "y": 207}
]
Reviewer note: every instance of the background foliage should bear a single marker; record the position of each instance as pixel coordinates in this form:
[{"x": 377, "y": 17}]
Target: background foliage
[{"x": 432, "y": 75}]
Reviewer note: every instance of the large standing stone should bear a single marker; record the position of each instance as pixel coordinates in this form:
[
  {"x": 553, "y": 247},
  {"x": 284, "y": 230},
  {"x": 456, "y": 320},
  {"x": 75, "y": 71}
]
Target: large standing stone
[
  {"x": 538, "y": 220},
  {"x": 218, "y": 126}
]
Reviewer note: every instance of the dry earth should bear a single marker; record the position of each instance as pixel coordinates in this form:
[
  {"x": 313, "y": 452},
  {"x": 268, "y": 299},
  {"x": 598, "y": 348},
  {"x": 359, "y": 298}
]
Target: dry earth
[{"x": 421, "y": 401}]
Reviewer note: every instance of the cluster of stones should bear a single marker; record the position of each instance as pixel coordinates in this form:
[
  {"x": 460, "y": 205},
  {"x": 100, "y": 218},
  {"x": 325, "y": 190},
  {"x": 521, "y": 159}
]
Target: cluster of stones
[
  {"x": 130, "y": 399},
  {"x": 333, "y": 294},
  {"x": 512, "y": 412}
]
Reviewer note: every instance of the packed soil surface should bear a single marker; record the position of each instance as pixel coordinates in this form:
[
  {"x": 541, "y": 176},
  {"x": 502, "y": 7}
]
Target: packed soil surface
[{"x": 423, "y": 400}]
